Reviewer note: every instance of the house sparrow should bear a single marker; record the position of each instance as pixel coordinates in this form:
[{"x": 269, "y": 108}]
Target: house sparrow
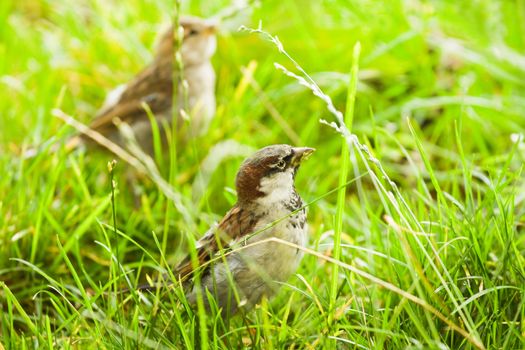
[
  {"x": 154, "y": 87},
  {"x": 267, "y": 206}
]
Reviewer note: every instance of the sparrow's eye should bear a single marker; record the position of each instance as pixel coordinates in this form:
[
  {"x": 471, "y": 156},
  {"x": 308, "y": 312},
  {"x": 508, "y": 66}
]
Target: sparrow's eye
[
  {"x": 193, "y": 32},
  {"x": 281, "y": 164}
]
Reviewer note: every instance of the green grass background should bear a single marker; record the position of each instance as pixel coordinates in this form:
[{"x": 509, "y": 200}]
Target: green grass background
[{"x": 440, "y": 106}]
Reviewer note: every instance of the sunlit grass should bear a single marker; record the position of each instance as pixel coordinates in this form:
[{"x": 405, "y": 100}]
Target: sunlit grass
[{"x": 432, "y": 240}]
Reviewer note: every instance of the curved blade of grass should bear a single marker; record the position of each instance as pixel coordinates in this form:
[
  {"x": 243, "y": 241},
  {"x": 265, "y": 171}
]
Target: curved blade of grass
[
  {"x": 343, "y": 174},
  {"x": 10, "y": 297}
]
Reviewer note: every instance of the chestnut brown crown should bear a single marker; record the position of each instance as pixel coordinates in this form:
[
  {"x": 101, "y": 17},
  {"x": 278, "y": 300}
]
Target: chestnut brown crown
[{"x": 267, "y": 163}]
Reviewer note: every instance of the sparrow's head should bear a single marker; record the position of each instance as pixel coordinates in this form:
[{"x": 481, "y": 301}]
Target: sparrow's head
[
  {"x": 198, "y": 44},
  {"x": 269, "y": 174}
]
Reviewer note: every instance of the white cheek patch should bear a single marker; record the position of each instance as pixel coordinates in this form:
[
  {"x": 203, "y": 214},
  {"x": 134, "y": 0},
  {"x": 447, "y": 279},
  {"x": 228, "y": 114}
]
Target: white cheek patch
[
  {"x": 197, "y": 50},
  {"x": 276, "y": 187},
  {"x": 211, "y": 46}
]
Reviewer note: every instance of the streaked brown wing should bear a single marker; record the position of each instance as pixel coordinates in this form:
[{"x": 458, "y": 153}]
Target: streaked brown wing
[
  {"x": 237, "y": 223},
  {"x": 152, "y": 86}
]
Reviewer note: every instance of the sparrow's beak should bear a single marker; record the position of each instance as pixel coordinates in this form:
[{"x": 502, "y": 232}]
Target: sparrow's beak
[
  {"x": 211, "y": 26},
  {"x": 300, "y": 154}
]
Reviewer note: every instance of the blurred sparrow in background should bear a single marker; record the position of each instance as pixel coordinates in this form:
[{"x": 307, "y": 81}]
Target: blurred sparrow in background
[
  {"x": 267, "y": 207},
  {"x": 154, "y": 87}
]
